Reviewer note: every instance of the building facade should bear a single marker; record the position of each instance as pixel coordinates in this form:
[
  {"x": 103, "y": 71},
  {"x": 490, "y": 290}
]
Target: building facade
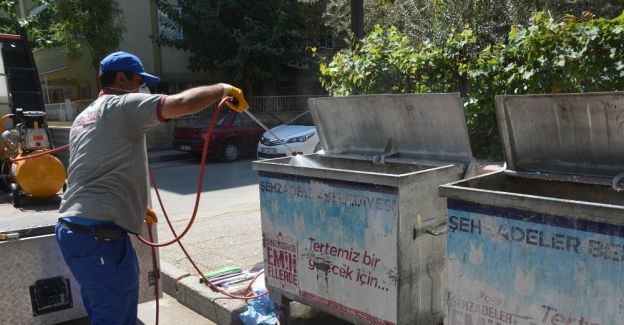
[{"x": 74, "y": 79}]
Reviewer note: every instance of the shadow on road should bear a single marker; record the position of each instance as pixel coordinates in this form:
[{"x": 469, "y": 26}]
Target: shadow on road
[
  {"x": 34, "y": 204},
  {"x": 181, "y": 176}
]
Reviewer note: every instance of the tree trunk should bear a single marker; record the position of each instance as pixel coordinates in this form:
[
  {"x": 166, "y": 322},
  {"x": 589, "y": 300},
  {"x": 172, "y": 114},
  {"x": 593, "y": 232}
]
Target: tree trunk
[
  {"x": 357, "y": 18},
  {"x": 248, "y": 86}
]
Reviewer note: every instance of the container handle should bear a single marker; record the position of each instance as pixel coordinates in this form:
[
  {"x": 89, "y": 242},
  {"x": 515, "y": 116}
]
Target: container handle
[{"x": 437, "y": 230}]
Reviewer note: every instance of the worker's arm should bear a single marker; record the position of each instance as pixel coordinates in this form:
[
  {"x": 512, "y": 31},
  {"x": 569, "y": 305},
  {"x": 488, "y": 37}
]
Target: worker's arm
[{"x": 195, "y": 99}]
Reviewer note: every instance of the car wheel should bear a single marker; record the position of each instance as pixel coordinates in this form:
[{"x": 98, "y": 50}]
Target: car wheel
[{"x": 230, "y": 151}]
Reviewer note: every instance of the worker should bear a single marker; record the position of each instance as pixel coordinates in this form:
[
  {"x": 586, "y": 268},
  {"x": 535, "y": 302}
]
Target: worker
[{"x": 106, "y": 196}]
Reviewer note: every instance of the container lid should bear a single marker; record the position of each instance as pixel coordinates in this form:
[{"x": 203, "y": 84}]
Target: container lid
[
  {"x": 424, "y": 126},
  {"x": 574, "y": 134}
]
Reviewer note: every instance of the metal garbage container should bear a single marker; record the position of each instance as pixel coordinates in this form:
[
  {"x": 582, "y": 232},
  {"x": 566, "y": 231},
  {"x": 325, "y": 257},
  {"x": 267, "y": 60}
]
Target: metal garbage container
[
  {"x": 359, "y": 232},
  {"x": 542, "y": 241}
]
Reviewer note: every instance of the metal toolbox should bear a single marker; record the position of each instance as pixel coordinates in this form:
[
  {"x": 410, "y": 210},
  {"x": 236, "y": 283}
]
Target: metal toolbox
[{"x": 37, "y": 286}]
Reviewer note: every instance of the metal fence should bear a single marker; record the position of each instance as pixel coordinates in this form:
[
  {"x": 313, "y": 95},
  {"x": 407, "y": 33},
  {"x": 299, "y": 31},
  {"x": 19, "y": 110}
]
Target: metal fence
[
  {"x": 281, "y": 104},
  {"x": 66, "y": 111}
]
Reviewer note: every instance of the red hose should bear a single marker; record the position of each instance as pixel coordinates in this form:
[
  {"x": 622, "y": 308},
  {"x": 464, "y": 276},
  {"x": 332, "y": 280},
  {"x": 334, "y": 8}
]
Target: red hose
[
  {"x": 44, "y": 153},
  {"x": 198, "y": 196},
  {"x": 188, "y": 256},
  {"x": 200, "y": 182},
  {"x": 156, "y": 273}
]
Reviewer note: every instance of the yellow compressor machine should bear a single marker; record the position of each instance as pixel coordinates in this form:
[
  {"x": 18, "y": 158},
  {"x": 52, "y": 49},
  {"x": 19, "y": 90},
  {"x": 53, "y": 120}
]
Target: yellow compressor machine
[{"x": 27, "y": 169}]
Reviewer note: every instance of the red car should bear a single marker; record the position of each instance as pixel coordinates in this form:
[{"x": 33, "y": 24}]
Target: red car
[{"x": 234, "y": 135}]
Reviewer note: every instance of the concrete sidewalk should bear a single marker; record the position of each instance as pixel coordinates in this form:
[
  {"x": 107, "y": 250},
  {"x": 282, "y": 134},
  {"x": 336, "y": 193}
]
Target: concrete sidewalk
[{"x": 185, "y": 287}]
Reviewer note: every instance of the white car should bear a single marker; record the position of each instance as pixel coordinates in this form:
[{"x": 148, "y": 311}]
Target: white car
[{"x": 299, "y": 134}]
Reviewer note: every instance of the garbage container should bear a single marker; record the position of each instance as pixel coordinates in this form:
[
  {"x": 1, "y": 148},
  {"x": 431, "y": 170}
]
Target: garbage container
[
  {"x": 542, "y": 241},
  {"x": 359, "y": 232}
]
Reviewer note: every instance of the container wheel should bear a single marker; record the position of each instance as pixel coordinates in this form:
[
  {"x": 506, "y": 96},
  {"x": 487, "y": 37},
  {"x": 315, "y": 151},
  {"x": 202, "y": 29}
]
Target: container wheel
[
  {"x": 282, "y": 309},
  {"x": 230, "y": 151},
  {"x": 15, "y": 195}
]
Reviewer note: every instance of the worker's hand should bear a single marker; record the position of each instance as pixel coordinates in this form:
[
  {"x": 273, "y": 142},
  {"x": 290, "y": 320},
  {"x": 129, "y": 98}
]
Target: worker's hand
[
  {"x": 150, "y": 216},
  {"x": 238, "y": 103}
]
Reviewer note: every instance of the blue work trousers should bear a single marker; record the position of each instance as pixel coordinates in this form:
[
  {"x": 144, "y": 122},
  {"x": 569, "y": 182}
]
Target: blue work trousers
[{"x": 108, "y": 274}]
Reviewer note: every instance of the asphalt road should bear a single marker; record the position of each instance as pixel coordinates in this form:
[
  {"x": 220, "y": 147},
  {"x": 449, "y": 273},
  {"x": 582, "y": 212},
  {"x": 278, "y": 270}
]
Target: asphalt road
[{"x": 226, "y": 230}]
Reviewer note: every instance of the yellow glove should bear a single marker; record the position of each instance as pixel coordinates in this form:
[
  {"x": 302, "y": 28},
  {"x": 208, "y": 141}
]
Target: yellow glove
[
  {"x": 239, "y": 104},
  {"x": 150, "y": 216}
]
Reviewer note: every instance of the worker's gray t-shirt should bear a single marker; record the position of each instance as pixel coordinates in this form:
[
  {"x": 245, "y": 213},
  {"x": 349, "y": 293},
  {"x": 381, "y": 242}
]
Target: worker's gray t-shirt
[{"x": 106, "y": 174}]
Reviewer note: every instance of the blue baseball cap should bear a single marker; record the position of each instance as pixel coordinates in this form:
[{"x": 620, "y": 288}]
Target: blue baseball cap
[{"x": 123, "y": 61}]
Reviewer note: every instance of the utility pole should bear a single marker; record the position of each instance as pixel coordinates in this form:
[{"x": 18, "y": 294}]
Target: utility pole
[{"x": 357, "y": 18}]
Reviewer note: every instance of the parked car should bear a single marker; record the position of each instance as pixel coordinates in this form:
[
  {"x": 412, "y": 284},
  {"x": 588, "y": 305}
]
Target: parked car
[
  {"x": 234, "y": 135},
  {"x": 299, "y": 134}
]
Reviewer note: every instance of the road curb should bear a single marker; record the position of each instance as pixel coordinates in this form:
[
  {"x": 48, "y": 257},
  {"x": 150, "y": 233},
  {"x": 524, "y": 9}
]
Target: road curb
[
  {"x": 187, "y": 290},
  {"x": 170, "y": 276},
  {"x": 168, "y": 157}
]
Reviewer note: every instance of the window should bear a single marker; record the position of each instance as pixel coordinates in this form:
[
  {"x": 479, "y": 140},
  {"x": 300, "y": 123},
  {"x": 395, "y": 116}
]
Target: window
[
  {"x": 327, "y": 40},
  {"x": 302, "y": 119},
  {"x": 84, "y": 91},
  {"x": 36, "y": 10},
  {"x": 168, "y": 27}
]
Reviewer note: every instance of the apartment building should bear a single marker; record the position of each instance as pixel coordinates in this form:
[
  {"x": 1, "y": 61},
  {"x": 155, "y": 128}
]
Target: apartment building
[{"x": 64, "y": 78}]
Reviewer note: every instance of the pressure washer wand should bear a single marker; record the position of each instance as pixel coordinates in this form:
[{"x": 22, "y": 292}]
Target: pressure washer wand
[{"x": 292, "y": 152}]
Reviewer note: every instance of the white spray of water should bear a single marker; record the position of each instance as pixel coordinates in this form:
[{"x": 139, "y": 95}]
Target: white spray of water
[{"x": 303, "y": 161}]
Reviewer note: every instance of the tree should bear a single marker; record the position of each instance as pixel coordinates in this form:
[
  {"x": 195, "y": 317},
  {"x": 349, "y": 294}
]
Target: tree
[
  {"x": 249, "y": 40},
  {"x": 72, "y": 24},
  {"x": 430, "y": 20},
  {"x": 75, "y": 24},
  {"x": 10, "y": 23}
]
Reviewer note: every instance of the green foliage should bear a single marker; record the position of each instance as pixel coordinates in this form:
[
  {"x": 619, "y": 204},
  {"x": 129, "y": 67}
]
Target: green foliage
[
  {"x": 74, "y": 23},
  {"x": 547, "y": 56},
  {"x": 431, "y": 20},
  {"x": 250, "y": 40},
  {"x": 10, "y": 23},
  {"x": 388, "y": 62},
  {"x": 489, "y": 20}
]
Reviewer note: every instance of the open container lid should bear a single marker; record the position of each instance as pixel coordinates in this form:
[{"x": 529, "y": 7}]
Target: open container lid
[
  {"x": 573, "y": 134},
  {"x": 422, "y": 126}
]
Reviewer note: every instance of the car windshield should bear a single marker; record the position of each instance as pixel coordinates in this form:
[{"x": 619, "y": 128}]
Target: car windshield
[{"x": 302, "y": 119}]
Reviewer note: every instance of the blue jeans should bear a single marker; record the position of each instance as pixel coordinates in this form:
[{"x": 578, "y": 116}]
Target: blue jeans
[{"x": 108, "y": 274}]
